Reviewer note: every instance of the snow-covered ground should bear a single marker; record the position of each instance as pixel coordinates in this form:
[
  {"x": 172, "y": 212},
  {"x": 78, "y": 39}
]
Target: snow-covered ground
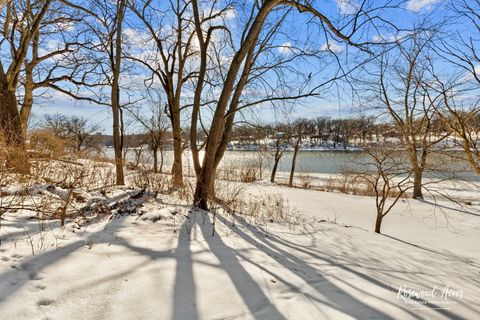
[{"x": 162, "y": 262}]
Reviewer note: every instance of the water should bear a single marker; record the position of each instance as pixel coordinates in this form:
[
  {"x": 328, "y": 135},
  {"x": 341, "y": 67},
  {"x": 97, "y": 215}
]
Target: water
[
  {"x": 307, "y": 161},
  {"x": 315, "y": 161}
]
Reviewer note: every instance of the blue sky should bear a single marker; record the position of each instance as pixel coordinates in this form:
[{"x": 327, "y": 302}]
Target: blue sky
[{"x": 334, "y": 102}]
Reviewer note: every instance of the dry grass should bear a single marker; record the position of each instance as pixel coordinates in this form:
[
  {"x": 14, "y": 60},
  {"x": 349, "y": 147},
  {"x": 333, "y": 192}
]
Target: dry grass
[
  {"x": 249, "y": 171},
  {"x": 46, "y": 144},
  {"x": 254, "y": 208},
  {"x": 64, "y": 181},
  {"x": 145, "y": 178},
  {"x": 85, "y": 174},
  {"x": 53, "y": 188},
  {"x": 353, "y": 183},
  {"x": 305, "y": 181}
]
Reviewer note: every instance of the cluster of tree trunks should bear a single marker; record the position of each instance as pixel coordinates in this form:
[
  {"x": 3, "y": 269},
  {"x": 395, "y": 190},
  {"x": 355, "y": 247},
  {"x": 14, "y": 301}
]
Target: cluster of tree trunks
[{"x": 173, "y": 54}]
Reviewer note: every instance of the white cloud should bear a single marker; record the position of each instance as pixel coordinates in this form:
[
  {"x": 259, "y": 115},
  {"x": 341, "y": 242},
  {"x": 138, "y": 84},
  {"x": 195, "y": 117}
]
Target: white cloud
[
  {"x": 417, "y": 5},
  {"x": 66, "y": 26},
  {"x": 332, "y": 46},
  {"x": 227, "y": 14},
  {"x": 391, "y": 37},
  {"x": 346, "y": 6},
  {"x": 379, "y": 38},
  {"x": 477, "y": 69},
  {"x": 138, "y": 39},
  {"x": 230, "y": 14},
  {"x": 285, "y": 48},
  {"x": 470, "y": 75}
]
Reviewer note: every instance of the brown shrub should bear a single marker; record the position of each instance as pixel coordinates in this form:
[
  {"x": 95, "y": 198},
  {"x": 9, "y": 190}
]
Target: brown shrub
[
  {"x": 305, "y": 180},
  {"x": 352, "y": 183},
  {"x": 44, "y": 143}
]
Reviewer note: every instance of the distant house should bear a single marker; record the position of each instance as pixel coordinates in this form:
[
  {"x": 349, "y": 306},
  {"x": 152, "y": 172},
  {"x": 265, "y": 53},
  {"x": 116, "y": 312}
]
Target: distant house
[{"x": 279, "y": 135}]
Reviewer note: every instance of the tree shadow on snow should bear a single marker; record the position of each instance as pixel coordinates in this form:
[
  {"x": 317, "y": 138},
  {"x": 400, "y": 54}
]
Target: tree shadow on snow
[
  {"x": 283, "y": 251},
  {"x": 346, "y": 303}
]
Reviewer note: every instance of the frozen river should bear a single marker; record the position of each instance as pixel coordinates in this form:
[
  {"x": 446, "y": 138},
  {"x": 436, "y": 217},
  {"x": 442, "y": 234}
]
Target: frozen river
[{"x": 315, "y": 161}]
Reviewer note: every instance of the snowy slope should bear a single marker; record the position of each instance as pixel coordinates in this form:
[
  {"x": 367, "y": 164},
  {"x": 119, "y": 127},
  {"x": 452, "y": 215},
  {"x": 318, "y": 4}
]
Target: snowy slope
[{"x": 134, "y": 268}]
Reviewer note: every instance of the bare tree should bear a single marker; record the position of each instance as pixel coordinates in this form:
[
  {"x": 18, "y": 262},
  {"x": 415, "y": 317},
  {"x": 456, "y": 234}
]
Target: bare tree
[
  {"x": 298, "y": 129},
  {"x": 82, "y": 133},
  {"x": 134, "y": 142},
  {"x": 255, "y": 35},
  {"x": 155, "y": 124},
  {"x": 462, "y": 51},
  {"x": 171, "y": 61},
  {"x": 116, "y": 59},
  {"x": 50, "y": 61},
  {"x": 461, "y": 119},
  {"x": 20, "y": 29},
  {"x": 465, "y": 125},
  {"x": 462, "y": 48},
  {"x": 75, "y": 129},
  {"x": 402, "y": 93},
  {"x": 103, "y": 27},
  {"x": 389, "y": 179},
  {"x": 280, "y": 146}
]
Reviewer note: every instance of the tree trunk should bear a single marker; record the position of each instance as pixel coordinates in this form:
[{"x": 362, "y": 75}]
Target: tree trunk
[
  {"x": 117, "y": 140},
  {"x": 161, "y": 160},
  {"x": 294, "y": 161},
  {"x": 274, "y": 169},
  {"x": 417, "y": 184},
  {"x": 11, "y": 127},
  {"x": 26, "y": 108},
  {"x": 277, "y": 157},
  {"x": 177, "y": 167},
  {"x": 378, "y": 222},
  {"x": 155, "y": 160},
  {"x": 200, "y": 198},
  {"x": 417, "y": 169},
  {"x": 203, "y": 189},
  {"x": 138, "y": 156},
  {"x": 213, "y": 151},
  {"x": 117, "y": 145},
  {"x": 10, "y": 119},
  {"x": 472, "y": 157}
]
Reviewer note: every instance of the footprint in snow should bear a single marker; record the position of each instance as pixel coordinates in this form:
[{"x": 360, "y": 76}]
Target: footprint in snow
[
  {"x": 34, "y": 276},
  {"x": 27, "y": 265},
  {"x": 16, "y": 256},
  {"x": 5, "y": 258},
  {"x": 38, "y": 287},
  {"x": 43, "y": 302}
]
